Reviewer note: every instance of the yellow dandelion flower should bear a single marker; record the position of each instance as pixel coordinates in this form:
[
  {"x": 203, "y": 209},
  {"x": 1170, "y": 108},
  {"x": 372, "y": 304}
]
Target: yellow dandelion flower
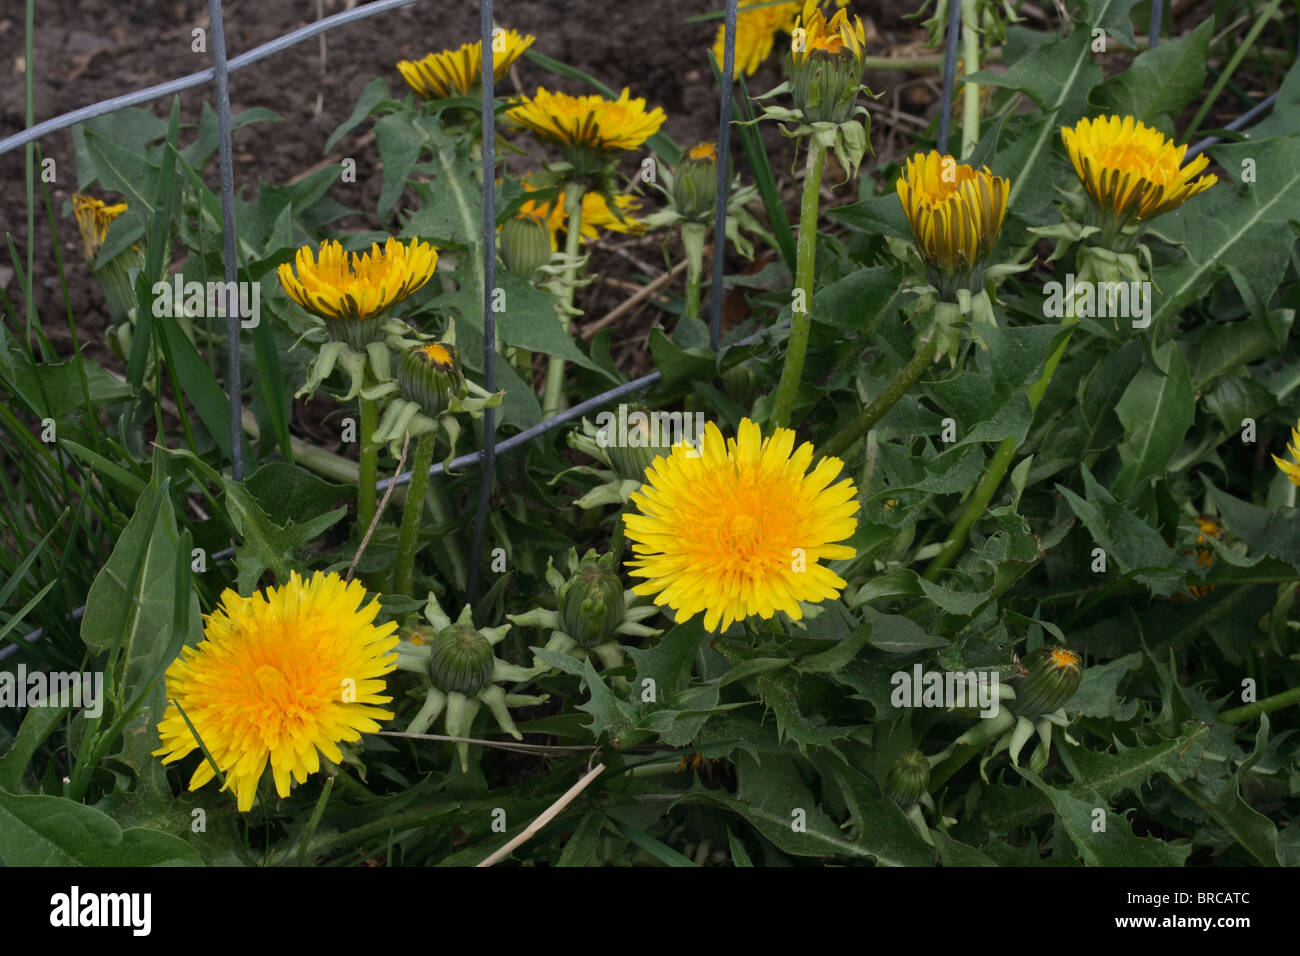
[
  {"x": 826, "y": 61},
  {"x": 596, "y": 214},
  {"x": 1130, "y": 170},
  {"x": 703, "y": 152},
  {"x": 1289, "y": 468},
  {"x": 587, "y": 128},
  {"x": 1064, "y": 659},
  {"x": 956, "y": 214},
  {"x": 352, "y": 291},
  {"x": 756, "y": 28},
  {"x": 94, "y": 216},
  {"x": 457, "y": 72},
  {"x": 280, "y": 677},
  {"x": 837, "y": 35},
  {"x": 739, "y": 527}
]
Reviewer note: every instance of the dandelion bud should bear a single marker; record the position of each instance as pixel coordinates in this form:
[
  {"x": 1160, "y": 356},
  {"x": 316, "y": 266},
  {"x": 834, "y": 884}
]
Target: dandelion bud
[
  {"x": 956, "y": 213},
  {"x": 908, "y": 778},
  {"x": 695, "y": 183},
  {"x": 632, "y": 444},
  {"x": 826, "y": 65},
  {"x": 1054, "y": 675},
  {"x": 461, "y": 660},
  {"x": 525, "y": 245},
  {"x": 591, "y": 602},
  {"x": 430, "y": 375}
]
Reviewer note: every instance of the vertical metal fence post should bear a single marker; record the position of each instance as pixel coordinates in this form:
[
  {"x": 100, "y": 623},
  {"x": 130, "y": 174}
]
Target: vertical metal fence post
[
  {"x": 724, "y": 180},
  {"x": 489, "y": 283},
  {"x": 949, "y": 74},
  {"x": 222, "y": 78},
  {"x": 1157, "y": 15}
]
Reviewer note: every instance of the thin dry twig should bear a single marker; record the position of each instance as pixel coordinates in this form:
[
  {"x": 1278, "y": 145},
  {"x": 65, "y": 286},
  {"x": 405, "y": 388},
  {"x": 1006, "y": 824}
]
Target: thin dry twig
[
  {"x": 614, "y": 314},
  {"x": 546, "y": 817}
]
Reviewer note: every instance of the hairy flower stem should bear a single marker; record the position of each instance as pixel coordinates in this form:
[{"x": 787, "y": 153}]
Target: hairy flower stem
[
  {"x": 866, "y": 419},
  {"x": 553, "y": 396},
  {"x": 693, "y": 243},
  {"x": 412, "y": 512},
  {"x": 805, "y": 264},
  {"x": 1247, "y": 712},
  {"x": 970, "y": 42},
  {"x": 369, "y": 462},
  {"x": 997, "y": 468}
]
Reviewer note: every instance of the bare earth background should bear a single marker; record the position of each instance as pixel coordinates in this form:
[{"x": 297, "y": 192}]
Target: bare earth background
[{"x": 87, "y": 50}]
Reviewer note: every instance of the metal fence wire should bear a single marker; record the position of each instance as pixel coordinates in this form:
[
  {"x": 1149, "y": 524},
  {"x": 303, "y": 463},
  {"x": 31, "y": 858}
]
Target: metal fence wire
[{"x": 219, "y": 74}]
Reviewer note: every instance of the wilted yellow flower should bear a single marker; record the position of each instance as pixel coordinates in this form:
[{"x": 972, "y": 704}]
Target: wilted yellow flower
[
  {"x": 588, "y": 128},
  {"x": 956, "y": 214},
  {"x": 739, "y": 527},
  {"x": 596, "y": 214},
  {"x": 756, "y": 28},
  {"x": 457, "y": 72},
  {"x": 350, "y": 289},
  {"x": 94, "y": 216},
  {"x": 279, "y": 678},
  {"x": 1291, "y": 469},
  {"x": 1130, "y": 170}
]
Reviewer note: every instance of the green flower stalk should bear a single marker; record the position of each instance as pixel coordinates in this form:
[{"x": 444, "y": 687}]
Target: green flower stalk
[
  {"x": 825, "y": 79},
  {"x": 553, "y": 394},
  {"x": 428, "y": 376},
  {"x": 351, "y": 295},
  {"x": 429, "y": 392},
  {"x": 692, "y": 192},
  {"x": 796, "y": 349}
]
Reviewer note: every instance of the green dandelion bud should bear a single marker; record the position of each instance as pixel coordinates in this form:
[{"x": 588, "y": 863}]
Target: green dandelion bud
[
  {"x": 461, "y": 660},
  {"x": 429, "y": 375},
  {"x": 633, "y": 443},
  {"x": 591, "y": 602},
  {"x": 525, "y": 245},
  {"x": 908, "y": 778},
  {"x": 695, "y": 183},
  {"x": 1054, "y": 675}
]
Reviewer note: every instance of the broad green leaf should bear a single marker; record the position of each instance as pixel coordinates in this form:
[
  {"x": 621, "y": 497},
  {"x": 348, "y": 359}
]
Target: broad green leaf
[
  {"x": 1245, "y": 229},
  {"x": 1157, "y": 409},
  {"x": 1162, "y": 79},
  {"x": 582, "y": 844},
  {"x": 898, "y": 634},
  {"x": 54, "y": 831},
  {"x": 266, "y": 545},
  {"x": 1115, "y": 845},
  {"x": 1129, "y": 542}
]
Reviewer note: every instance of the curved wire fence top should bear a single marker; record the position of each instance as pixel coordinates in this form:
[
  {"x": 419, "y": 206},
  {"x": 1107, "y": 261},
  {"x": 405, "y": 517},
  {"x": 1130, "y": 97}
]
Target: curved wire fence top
[{"x": 219, "y": 73}]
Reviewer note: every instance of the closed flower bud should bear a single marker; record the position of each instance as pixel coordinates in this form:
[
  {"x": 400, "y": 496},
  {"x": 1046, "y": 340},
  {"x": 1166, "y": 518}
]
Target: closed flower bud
[
  {"x": 525, "y": 244},
  {"x": 1054, "y": 675},
  {"x": 430, "y": 375},
  {"x": 461, "y": 660},
  {"x": 633, "y": 444},
  {"x": 908, "y": 778},
  {"x": 740, "y": 385},
  {"x": 591, "y": 602},
  {"x": 695, "y": 183},
  {"x": 825, "y": 65}
]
